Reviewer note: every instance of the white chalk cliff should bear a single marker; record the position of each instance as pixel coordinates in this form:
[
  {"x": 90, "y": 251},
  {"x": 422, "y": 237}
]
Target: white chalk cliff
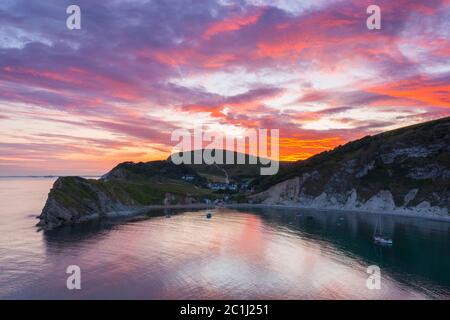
[{"x": 402, "y": 171}]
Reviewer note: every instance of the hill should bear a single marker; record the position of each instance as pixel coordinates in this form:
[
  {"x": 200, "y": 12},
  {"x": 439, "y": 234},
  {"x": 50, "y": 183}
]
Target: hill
[{"x": 403, "y": 169}]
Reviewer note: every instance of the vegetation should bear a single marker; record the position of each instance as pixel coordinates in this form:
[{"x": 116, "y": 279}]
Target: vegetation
[
  {"x": 385, "y": 161},
  {"x": 79, "y": 193}
]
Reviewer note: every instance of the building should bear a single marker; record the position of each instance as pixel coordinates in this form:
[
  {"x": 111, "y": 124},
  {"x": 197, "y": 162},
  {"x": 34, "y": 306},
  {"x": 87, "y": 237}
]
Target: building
[
  {"x": 222, "y": 186},
  {"x": 188, "y": 178}
]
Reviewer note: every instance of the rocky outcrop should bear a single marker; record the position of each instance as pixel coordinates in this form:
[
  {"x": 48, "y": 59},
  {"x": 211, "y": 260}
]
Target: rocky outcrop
[
  {"x": 381, "y": 202},
  {"x": 73, "y": 199},
  {"x": 405, "y": 170}
]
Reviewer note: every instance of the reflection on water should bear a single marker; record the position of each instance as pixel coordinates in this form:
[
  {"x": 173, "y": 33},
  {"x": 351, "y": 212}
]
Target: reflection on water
[{"x": 262, "y": 253}]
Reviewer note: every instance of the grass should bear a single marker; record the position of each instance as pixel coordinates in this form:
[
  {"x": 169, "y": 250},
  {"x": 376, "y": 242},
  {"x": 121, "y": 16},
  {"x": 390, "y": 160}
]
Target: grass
[
  {"x": 78, "y": 193},
  {"x": 213, "y": 178}
]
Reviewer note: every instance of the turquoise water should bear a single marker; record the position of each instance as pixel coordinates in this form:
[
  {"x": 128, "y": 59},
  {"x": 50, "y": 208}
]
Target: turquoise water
[{"x": 238, "y": 254}]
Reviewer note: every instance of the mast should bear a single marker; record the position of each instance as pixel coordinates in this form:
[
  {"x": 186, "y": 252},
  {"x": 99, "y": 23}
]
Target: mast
[{"x": 376, "y": 226}]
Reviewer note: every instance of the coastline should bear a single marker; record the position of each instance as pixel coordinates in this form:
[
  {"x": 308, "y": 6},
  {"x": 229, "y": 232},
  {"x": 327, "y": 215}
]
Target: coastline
[
  {"x": 434, "y": 217},
  {"x": 132, "y": 212},
  {"x": 141, "y": 210}
]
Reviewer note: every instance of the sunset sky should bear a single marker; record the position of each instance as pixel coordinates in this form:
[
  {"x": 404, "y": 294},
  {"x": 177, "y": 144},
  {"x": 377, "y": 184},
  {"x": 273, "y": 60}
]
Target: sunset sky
[{"x": 81, "y": 101}]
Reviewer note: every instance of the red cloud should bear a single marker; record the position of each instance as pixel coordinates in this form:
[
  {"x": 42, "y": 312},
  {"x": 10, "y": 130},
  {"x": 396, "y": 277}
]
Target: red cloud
[
  {"x": 233, "y": 23},
  {"x": 423, "y": 90}
]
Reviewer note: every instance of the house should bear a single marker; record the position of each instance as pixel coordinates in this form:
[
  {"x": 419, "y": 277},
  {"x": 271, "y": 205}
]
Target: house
[
  {"x": 222, "y": 186},
  {"x": 188, "y": 178},
  {"x": 217, "y": 186}
]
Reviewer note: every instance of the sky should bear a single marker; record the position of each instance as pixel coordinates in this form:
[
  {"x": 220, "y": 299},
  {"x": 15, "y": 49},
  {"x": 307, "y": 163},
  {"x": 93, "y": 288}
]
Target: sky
[{"x": 82, "y": 101}]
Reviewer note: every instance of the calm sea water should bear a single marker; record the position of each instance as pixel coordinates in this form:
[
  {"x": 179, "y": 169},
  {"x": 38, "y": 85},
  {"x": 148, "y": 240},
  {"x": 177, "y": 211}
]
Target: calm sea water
[{"x": 238, "y": 254}]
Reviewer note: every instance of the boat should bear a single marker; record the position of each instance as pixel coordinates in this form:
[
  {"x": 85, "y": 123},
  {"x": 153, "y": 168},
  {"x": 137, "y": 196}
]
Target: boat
[
  {"x": 209, "y": 215},
  {"x": 382, "y": 241},
  {"x": 378, "y": 238}
]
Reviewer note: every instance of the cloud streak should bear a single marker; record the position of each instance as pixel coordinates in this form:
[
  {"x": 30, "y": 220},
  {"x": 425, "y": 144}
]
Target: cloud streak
[{"x": 139, "y": 69}]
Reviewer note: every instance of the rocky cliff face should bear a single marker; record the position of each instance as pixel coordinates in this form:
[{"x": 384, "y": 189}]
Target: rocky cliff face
[
  {"x": 125, "y": 189},
  {"x": 74, "y": 199},
  {"x": 405, "y": 170}
]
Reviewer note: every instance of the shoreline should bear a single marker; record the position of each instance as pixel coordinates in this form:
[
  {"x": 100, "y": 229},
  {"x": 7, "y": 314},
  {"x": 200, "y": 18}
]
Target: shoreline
[
  {"x": 142, "y": 210},
  {"x": 434, "y": 217}
]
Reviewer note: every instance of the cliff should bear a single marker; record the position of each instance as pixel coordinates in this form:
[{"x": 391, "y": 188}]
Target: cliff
[
  {"x": 124, "y": 189},
  {"x": 404, "y": 170}
]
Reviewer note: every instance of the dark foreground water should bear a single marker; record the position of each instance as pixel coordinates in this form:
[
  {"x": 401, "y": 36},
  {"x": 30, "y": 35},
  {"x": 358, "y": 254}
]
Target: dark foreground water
[{"x": 238, "y": 254}]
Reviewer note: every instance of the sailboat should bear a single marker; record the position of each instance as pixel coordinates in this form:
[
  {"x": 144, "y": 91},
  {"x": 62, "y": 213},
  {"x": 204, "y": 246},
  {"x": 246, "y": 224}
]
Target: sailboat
[{"x": 378, "y": 237}]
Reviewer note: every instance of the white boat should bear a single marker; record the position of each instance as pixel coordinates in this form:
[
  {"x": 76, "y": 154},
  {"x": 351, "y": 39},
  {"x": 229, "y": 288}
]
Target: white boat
[
  {"x": 378, "y": 238},
  {"x": 382, "y": 241}
]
